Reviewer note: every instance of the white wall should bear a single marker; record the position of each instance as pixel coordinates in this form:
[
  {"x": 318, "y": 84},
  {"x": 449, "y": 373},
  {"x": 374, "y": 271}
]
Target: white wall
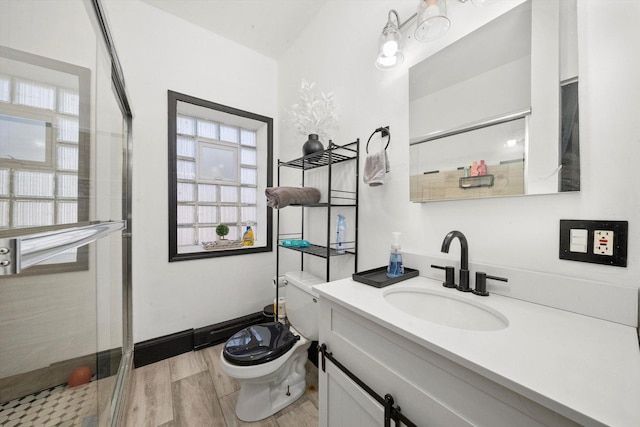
[
  {"x": 159, "y": 52},
  {"x": 337, "y": 51}
]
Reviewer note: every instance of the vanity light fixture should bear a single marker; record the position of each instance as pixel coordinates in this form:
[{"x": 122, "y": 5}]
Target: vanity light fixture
[
  {"x": 431, "y": 24},
  {"x": 432, "y": 21},
  {"x": 390, "y": 44}
]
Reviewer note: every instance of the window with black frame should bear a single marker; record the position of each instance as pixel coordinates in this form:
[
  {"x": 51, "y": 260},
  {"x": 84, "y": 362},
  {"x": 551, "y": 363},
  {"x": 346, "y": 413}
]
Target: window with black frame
[{"x": 220, "y": 162}]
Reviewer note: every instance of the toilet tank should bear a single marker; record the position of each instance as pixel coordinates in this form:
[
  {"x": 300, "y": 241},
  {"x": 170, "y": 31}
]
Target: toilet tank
[{"x": 302, "y": 303}]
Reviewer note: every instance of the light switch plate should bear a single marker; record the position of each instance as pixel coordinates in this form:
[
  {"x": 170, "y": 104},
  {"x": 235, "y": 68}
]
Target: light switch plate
[{"x": 606, "y": 241}]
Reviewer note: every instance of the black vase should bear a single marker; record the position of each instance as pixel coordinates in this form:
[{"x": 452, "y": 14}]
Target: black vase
[{"x": 312, "y": 145}]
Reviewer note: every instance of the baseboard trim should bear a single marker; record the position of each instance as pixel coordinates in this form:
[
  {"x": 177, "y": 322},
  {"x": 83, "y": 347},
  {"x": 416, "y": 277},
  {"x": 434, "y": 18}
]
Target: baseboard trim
[{"x": 157, "y": 349}]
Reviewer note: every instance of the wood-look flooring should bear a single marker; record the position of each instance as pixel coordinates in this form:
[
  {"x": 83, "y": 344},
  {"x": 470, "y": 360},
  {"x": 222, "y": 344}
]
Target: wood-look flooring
[{"x": 191, "y": 390}]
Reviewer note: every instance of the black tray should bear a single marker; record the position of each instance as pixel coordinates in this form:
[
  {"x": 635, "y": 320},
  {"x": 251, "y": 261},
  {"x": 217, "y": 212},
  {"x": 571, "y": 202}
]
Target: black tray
[{"x": 378, "y": 277}]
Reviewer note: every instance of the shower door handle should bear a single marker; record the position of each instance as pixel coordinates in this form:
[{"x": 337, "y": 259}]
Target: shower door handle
[{"x": 21, "y": 252}]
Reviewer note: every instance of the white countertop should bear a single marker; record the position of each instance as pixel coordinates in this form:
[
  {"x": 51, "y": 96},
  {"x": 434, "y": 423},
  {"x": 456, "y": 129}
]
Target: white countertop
[{"x": 584, "y": 368}]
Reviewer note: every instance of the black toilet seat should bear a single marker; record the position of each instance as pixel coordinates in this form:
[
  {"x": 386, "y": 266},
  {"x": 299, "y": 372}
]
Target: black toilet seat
[{"x": 259, "y": 344}]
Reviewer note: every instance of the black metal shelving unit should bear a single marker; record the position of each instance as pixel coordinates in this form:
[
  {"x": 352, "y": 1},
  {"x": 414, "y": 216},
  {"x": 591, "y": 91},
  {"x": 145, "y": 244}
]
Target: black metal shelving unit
[{"x": 337, "y": 197}]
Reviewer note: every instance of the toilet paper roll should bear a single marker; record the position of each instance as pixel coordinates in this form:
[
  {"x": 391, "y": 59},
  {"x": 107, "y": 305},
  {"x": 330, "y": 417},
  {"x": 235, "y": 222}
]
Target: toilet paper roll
[{"x": 281, "y": 281}]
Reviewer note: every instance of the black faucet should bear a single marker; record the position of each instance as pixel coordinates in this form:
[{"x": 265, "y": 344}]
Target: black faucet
[{"x": 464, "y": 257}]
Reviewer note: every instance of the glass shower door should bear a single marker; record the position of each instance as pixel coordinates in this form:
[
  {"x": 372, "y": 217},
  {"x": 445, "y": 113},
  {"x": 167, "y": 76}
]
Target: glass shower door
[{"x": 65, "y": 349}]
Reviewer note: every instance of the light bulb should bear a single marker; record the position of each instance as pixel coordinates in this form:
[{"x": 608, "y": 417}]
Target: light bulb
[
  {"x": 511, "y": 143},
  {"x": 390, "y": 48}
]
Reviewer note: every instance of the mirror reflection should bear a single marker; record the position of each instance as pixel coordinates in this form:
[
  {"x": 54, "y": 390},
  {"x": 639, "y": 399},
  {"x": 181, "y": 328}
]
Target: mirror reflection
[{"x": 500, "y": 121}]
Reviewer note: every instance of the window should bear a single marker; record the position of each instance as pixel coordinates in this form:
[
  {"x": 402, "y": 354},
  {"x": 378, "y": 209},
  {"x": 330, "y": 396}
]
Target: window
[
  {"x": 220, "y": 160},
  {"x": 44, "y": 148}
]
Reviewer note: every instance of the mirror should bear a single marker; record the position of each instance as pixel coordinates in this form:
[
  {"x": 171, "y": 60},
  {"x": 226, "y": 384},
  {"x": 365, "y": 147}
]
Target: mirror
[{"x": 495, "y": 113}]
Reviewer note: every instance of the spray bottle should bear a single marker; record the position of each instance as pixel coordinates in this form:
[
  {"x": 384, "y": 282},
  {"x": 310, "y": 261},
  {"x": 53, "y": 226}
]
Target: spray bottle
[
  {"x": 395, "y": 268},
  {"x": 341, "y": 235},
  {"x": 247, "y": 237}
]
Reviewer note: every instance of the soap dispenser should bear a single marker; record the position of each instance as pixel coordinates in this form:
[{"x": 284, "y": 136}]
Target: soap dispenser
[{"x": 395, "y": 269}]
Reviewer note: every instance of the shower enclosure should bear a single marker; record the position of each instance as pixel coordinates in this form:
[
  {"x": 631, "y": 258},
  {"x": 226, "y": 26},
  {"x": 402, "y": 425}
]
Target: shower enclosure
[{"x": 65, "y": 215}]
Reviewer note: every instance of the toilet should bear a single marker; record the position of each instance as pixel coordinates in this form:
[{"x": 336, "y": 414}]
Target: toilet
[{"x": 269, "y": 358}]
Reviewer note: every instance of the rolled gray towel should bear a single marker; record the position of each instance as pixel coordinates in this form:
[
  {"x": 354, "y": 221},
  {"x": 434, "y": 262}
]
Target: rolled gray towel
[{"x": 279, "y": 197}]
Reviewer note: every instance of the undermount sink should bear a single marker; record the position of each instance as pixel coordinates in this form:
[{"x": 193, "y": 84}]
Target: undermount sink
[{"x": 446, "y": 309}]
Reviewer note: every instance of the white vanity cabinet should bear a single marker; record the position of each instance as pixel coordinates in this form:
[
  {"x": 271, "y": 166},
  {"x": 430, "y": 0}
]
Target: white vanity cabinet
[{"x": 430, "y": 389}]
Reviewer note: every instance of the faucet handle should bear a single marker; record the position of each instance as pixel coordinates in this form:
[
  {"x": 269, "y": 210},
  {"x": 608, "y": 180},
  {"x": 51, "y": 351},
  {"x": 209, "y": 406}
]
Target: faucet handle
[
  {"x": 481, "y": 283},
  {"x": 449, "y": 276}
]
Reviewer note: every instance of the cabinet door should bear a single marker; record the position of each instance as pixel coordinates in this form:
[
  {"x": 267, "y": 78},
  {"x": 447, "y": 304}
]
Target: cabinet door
[{"x": 344, "y": 403}]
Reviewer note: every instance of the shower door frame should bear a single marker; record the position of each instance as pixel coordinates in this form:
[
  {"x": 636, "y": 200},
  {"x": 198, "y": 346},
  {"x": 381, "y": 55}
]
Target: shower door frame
[{"x": 121, "y": 389}]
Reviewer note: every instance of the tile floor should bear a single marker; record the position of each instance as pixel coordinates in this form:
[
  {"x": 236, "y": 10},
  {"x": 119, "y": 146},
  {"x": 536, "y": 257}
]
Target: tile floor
[
  {"x": 191, "y": 390},
  {"x": 59, "y": 406}
]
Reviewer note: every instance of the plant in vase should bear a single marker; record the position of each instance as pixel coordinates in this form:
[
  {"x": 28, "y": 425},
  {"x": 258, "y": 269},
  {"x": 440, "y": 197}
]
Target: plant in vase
[{"x": 315, "y": 116}]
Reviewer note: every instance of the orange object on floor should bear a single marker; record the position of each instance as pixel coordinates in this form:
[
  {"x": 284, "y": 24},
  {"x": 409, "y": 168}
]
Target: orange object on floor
[{"x": 79, "y": 376}]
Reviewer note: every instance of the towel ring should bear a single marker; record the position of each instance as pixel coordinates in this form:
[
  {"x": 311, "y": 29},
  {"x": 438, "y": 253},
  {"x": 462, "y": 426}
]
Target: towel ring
[{"x": 385, "y": 132}]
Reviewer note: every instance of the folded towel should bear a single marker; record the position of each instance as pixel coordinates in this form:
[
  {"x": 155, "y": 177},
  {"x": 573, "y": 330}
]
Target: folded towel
[
  {"x": 375, "y": 167},
  {"x": 279, "y": 197}
]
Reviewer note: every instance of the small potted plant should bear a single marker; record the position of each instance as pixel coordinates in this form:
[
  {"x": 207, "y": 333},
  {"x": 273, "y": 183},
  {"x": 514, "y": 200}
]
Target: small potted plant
[
  {"x": 222, "y": 230},
  {"x": 315, "y": 116}
]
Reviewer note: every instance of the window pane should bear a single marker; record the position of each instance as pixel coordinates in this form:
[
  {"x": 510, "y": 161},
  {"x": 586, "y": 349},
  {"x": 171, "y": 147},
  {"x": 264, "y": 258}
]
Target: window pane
[
  {"x": 248, "y": 176},
  {"x": 4, "y": 213},
  {"x": 67, "y": 212},
  {"x": 68, "y": 186},
  {"x": 33, "y": 184},
  {"x": 68, "y": 129},
  {"x": 67, "y": 158},
  {"x": 207, "y": 234},
  {"x": 186, "y": 147},
  {"x": 248, "y": 137},
  {"x": 186, "y": 236},
  {"x": 186, "y": 125},
  {"x": 249, "y": 213},
  {"x": 186, "y": 170},
  {"x": 4, "y": 182},
  {"x": 5, "y": 88},
  {"x": 248, "y": 157},
  {"x": 207, "y": 129},
  {"x": 219, "y": 164},
  {"x": 207, "y": 214},
  {"x": 23, "y": 139},
  {"x": 228, "y": 214},
  {"x": 32, "y": 214},
  {"x": 229, "y": 134},
  {"x": 68, "y": 101},
  {"x": 34, "y": 94},
  {"x": 248, "y": 195},
  {"x": 186, "y": 214},
  {"x": 207, "y": 193},
  {"x": 186, "y": 192},
  {"x": 228, "y": 194},
  {"x": 234, "y": 233}
]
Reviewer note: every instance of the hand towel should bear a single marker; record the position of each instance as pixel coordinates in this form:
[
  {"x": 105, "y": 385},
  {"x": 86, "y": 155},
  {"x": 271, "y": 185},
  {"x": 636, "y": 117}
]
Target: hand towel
[
  {"x": 376, "y": 165},
  {"x": 279, "y": 197}
]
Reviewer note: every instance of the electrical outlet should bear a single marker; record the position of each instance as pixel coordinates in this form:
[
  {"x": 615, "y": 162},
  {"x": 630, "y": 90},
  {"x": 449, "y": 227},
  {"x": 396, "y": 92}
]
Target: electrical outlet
[
  {"x": 598, "y": 242},
  {"x": 603, "y": 242}
]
